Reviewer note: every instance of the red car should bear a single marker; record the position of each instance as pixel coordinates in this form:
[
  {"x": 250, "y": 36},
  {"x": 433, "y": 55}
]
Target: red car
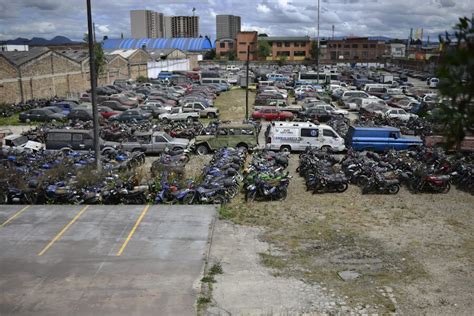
[
  {"x": 107, "y": 112},
  {"x": 272, "y": 114}
]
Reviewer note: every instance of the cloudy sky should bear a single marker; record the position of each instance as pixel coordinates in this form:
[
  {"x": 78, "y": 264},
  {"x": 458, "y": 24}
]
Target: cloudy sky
[{"x": 48, "y": 18}]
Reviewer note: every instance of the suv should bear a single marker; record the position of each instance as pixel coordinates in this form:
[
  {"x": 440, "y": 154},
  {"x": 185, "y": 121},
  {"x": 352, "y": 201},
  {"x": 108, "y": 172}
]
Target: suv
[
  {"x": 209, "y": 112},
  {"x": 229, "y": 135},
  {"x": 75, "y": 139}
]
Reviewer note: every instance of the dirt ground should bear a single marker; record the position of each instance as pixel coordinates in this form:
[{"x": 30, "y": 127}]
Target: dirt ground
[{"x": 413, "y": 253}]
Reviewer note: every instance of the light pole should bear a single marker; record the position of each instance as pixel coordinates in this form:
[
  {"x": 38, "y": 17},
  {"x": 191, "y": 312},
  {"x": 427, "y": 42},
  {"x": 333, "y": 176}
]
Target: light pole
[
  {"x": 247, "y": 86},
  {"x": 317, "y": 47},
  {"x": 93, "y": 78}
]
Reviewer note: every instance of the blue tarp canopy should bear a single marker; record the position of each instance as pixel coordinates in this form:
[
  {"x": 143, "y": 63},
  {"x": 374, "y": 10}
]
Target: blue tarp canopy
[{"x": 184, "y": 44}]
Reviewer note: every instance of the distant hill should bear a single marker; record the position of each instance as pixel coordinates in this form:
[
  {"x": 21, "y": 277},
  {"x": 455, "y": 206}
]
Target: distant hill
[{"x": 39, "y": 41}]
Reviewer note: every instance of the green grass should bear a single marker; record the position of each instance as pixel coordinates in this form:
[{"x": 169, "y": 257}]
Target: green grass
[
  {"x": 231, "y": 105},
  {"x": 9, "y": 121}
]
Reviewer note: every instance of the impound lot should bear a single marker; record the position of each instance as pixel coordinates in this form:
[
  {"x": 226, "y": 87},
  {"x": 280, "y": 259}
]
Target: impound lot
[{"x": 102, "y": 260}]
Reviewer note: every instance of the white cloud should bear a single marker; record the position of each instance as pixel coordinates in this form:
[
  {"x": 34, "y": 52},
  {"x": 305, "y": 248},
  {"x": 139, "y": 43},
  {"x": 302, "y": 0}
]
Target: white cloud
[{"x": 262, "y": 8}]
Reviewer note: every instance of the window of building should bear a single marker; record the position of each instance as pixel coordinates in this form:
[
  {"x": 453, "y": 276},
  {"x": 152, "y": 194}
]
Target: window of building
[
  {"x": 365, "y": 54},
  {"x": 372, "y": 45},
  {"x": 231, "y": 45},
  {"x": 283, "y": 53},
  {"x": 296, "y": 44},
  {"x": 287, "y": 44},
  {"x": 278, "y": 44},
  {"x": 300, "y": 53},
  {"x": 347, "y": 46},
  {"x": 242, "y": 43},
  {"x": 303, "y": 44},
  {"x": 242, "y": 52},
  {"x": 365, "y": 45},
  {"x": 338, "y": 45},
  {"x": 222, "y": 45},
  {"x": 355, "y": 46}
]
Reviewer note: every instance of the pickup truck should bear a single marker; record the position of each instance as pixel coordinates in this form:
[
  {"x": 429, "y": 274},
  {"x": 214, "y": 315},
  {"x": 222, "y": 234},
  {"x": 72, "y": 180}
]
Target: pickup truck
[
  {"x": 155, "y": 143},
  {"x": 228, "y": 135},
  {"x": 204, "y": 111},
  {"x": 20, "y": 143},
  {"x": 177, "y": 114},
  {"x": 379, "y": 139}
]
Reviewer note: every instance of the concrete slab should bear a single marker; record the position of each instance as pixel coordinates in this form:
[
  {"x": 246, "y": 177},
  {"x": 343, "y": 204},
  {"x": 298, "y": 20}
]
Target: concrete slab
[{"x": 81, "y": 274}]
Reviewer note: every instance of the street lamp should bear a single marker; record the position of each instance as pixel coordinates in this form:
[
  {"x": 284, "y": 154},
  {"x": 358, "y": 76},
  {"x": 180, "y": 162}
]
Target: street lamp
[
  {"x": 95, "y": 115},
  {"x": 317, "y": 47}
]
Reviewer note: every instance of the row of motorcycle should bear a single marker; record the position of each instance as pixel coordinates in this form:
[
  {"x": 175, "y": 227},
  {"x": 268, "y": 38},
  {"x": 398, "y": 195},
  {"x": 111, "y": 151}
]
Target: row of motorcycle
[
  {"x": 66, "y": 177},
  {"x": 266, "y": 177},
  {"x": 218, "y": 184},
  {"x": 422, "y": 170}
]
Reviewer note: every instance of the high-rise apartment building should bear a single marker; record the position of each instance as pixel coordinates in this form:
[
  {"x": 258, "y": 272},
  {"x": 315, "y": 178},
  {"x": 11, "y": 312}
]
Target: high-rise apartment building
[
  {"x": 227, "y": 26},
  {"x": 182, "y": 26},
  {"x": 147, "y": 23},
  {"x": 150, "y": 24}
]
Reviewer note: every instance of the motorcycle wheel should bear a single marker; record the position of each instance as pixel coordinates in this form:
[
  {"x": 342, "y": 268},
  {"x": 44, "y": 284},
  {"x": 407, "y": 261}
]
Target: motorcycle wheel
[
  {"x": 342, "y": 187},
  {"x": 188, "y": 198},
  {"x": 282, "y": 195},
  {"x": 250, "y": 196},
  {"x": 393, "y": 189},
  {"x": 446, "y": 188},
  {"x": 219, "y": 200},
  {"x": 3, "y": 198}
]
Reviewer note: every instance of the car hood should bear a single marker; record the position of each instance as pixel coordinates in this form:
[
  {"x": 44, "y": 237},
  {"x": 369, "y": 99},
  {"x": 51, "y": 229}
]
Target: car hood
[
  {"x": 201, "y": 138},
  {"x": 180, "y": 141}
]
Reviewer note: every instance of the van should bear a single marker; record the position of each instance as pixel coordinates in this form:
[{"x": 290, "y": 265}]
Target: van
[
  {"x": 292, "y": 136},
  {"x": 75, "y": 139},
  {"x": 213, "y": 80},
  {"x": 380, "y": 139},
  {"x": 264, "y": 83},
  {"x": 433, "y": 82}
]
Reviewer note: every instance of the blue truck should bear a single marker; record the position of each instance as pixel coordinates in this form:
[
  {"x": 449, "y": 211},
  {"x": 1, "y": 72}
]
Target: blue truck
[{"x": 380, "y": 139}]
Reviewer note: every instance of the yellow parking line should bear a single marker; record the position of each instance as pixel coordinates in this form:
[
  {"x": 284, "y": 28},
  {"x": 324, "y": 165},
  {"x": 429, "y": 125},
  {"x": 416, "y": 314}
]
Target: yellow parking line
[
  {"x": 145, "y": 210},
  {"x": 63, "y": 231},
  {"x": 15, "y": 215}
]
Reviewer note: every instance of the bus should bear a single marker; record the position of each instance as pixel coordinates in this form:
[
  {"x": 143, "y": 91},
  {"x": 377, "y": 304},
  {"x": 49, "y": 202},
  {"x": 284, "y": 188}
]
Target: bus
[{"x": 324, "y": 77}]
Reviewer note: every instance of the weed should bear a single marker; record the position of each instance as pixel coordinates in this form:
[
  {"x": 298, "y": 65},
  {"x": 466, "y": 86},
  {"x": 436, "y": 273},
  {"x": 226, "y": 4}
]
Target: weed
[
  {"x": 226, "y": 212},
  {"x": 216, "y": 269},
  {"x": 272, "y": 261},
  {"x": 208, "y": 279},
  {"x": 202, "y": 301}
]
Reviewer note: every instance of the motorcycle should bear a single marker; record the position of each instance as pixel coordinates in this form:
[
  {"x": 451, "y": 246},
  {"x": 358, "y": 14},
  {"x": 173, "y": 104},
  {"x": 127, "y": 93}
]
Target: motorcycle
[
  {"x": 431, "y": 183},
  {"x": 379, "y": 184},
  {"x": 330, "y": 183}
]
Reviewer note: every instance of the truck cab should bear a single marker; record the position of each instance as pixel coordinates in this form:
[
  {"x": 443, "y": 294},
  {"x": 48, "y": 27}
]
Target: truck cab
[{"x": 228, "y": 135}]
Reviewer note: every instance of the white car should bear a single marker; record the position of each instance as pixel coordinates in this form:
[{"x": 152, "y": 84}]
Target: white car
[
  {"x": 399, "y": 114},
  {"x": 232, "y": 68},
  {"x": 301, "y": 90},
  {"x": 331, "y": 109}
]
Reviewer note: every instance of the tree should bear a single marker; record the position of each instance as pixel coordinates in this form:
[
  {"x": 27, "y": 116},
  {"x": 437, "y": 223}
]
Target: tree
[
  {"x": 314, "y": 50},
  {"x": 99, "y": 56},
  {"x": 282, "y": 60},
  {"x": 456, "y": 74},
  {"x": 231, "y": 55},
  {"x": 210, "y": 54},
  {"x": 263, "y": 49}
]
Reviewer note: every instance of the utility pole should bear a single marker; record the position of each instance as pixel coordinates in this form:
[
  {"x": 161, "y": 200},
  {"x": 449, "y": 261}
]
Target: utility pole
[
  {"x": 93, "y": 78},
  {"x": 247, "y": 86},
  {"x": 317, "y": 54}
]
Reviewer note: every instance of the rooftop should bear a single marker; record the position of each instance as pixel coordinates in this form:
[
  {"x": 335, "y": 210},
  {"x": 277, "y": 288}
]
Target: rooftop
[
  {"x": 284, "y": 38},
  {"x": 78, "y": 55},
  {"x": 18, "y": 58},
  {"x": 184, "y": 44}
]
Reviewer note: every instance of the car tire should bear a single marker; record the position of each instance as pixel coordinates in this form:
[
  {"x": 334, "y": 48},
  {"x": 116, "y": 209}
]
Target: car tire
[
  {"x": 189, "y": 120},
  {"x": 211, "y": 115},
  {"x": 202, "y": 150},
  {"x": 285, "y": 148},
  {"x": 325, "y": 149}
]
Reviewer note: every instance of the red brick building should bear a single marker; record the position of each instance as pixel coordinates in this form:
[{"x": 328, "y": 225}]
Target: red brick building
[
  {"x": 355, "y": 48},
  {"x": 289, "y": 47},
  {"x": 224, "y": 46},
  {"x": 245, "y": 39}
]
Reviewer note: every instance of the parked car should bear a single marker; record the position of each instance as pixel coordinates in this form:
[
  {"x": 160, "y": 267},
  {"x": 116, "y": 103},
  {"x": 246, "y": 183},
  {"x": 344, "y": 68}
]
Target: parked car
[
  {"x": 433, "y": 82},
  {"x": 227, "y": 135},
  {"x": 130, "y": 116},
  {"x": 177, "y": 114},
  {"x": 75, "y": 139},
  {"x": 329, "y": 108},
  {"x": 155, "y": 109},
  {"x": 399, "y": 114},
  {"x": 155, "y": 143},
  {"x": 272, "y": 114},
  {"x": 198, "y": 107},
  {"x": 80, "y": 115},
  {"x": 107, "y": 112},
  {"x": 316, "y": 114},
  {"x": 115, "y": 105},
  {"x": 41, "y": 115}
]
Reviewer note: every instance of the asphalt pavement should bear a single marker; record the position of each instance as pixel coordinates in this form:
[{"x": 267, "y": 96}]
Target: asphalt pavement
[{"x": 102, "y": 260}]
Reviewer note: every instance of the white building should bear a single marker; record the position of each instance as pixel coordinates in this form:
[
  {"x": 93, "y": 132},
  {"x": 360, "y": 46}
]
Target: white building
[
  {"x": 396, "y": 50},
  {"x": 13, "y": 48}
]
